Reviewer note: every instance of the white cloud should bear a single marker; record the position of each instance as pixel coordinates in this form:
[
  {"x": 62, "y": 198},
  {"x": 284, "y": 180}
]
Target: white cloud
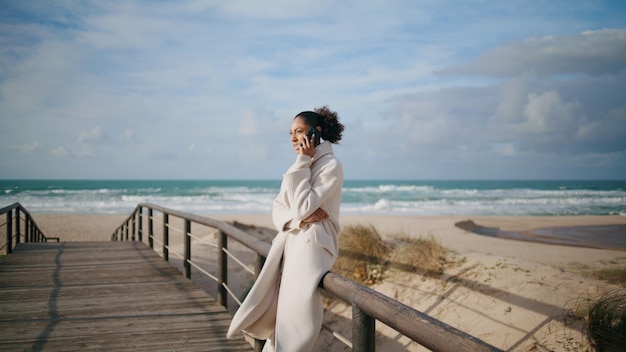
[
  {"x": 26, "y": 148},
  {"x": 60, "y": 152},
  {"x": 227, "y": 77},
  {"x": 554, "y": 116},
  {"x": 263, "y": 124},
  {"x": 590, "y": 52},
  {"x": 29, "y": 147},
  {"x": 507, "y": 150},
  {"x": 546, "y": 113},
  {"x": 513, "y": 97},
  {"x": 248, "y": 124},
  {"x": 84, "y": 150},
  {"x": 426, "y": 123},
  {"x": 92, "y": 135},
  {"x": 605, "y": 134},
  {"x": 127, "y": 135},
  {"x": 274, "y": 9}
]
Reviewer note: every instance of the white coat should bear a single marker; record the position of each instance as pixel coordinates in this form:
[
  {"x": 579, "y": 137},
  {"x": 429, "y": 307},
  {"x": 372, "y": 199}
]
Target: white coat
[{"x": 284, "y": 305}]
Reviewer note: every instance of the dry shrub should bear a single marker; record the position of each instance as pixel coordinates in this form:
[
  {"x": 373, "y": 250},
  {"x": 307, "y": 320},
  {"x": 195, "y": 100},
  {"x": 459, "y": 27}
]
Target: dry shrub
[
  {"x": 423, "y": 255},
  {"x": 362, "y": 254},
  {"x": 606, "y": 327}
]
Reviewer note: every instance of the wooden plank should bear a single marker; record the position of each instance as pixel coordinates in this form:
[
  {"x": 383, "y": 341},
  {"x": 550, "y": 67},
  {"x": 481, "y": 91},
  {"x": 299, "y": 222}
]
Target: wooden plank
[{"x": 105, "y": 296}]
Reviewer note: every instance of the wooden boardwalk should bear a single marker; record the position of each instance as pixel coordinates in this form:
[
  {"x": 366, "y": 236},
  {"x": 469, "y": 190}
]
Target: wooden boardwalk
[{"x": 108, "y": 296}]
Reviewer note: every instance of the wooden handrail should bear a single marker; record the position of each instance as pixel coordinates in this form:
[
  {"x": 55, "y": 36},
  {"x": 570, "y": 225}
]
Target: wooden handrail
[
  {"x": 14, "y": 235},
  {"x": 367, "y": 304}
]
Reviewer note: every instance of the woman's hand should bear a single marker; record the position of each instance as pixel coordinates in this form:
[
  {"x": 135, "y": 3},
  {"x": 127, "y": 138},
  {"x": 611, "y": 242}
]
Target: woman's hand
[
  {"x": 307, "y": 147},
  {"x": 318, "y": 215}
]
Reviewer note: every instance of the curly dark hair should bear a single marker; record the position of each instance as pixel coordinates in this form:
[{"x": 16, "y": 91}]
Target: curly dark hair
[{"x": 327, "y": 120}]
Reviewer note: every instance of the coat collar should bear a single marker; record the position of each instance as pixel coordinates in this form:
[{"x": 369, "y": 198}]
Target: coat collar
[{"x": 323, "y": 149}]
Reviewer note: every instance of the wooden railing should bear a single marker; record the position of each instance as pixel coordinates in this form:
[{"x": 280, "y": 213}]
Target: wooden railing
[
  {"x": 368, "y": 306},
  {"x": 32, "y": 233}
]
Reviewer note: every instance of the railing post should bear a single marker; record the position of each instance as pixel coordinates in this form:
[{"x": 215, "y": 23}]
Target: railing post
[
  {"x": 222, "y": 269},
  {"x": 17, "y": 226},
  {"x": 258, "y": 265},
  {"x": 132, "y": 234},
  {"x": 150, "y": 229},
  {"x": 140, "y": 229},
  {"x": 258, "y": 345},
  {"x": 126, "y": 230},
  {"x": 363, "y": 330},
  {"x": 26, "y": 236},
  {"x": 31, "y": 228},
  {"x": 187, "y": 263},
  {"x": 166, "y": 237},
  {"x": 10, "y": 231}
]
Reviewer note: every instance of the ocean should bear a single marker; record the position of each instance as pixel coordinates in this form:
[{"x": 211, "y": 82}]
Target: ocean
[{"x": 391, "y": 197}]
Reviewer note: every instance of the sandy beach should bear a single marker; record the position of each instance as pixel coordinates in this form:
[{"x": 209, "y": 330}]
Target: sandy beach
[{"x": 515, "y": 295}]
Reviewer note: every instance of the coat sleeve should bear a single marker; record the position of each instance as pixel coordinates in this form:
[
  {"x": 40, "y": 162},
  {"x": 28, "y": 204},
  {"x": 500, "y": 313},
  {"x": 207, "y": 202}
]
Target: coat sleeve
[{"x": 300, "y": 196}]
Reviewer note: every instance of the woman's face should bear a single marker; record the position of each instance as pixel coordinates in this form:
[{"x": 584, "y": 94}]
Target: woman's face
[{"x": 298, "y": 132}]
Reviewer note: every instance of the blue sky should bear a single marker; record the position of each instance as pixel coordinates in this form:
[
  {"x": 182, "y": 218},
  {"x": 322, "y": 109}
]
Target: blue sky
[{"x": 207, "y": 89}]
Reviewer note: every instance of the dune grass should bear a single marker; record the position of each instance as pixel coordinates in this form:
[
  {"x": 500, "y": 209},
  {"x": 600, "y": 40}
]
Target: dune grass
[
  {"x": 615, "y": 276},
  {"x": 423, "y": 255},
  {"x": 606, "y": 325},
  {"x": 362, "y": 254},
  {"x": 365, "y": 256}
]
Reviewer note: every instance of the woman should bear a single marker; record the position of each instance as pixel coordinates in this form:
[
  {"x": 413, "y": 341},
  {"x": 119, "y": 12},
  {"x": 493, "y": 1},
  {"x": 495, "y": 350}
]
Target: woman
[{"x": 284, "y": 305}]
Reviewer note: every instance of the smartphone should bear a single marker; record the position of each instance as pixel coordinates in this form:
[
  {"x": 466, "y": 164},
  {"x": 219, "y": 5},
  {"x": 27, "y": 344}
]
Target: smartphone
[{"x": 312, "y": 131}]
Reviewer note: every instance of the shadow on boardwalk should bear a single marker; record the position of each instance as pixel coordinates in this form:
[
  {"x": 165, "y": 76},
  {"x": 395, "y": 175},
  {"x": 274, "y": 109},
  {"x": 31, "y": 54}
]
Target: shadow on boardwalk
[{"x": 117, "y": 296}]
